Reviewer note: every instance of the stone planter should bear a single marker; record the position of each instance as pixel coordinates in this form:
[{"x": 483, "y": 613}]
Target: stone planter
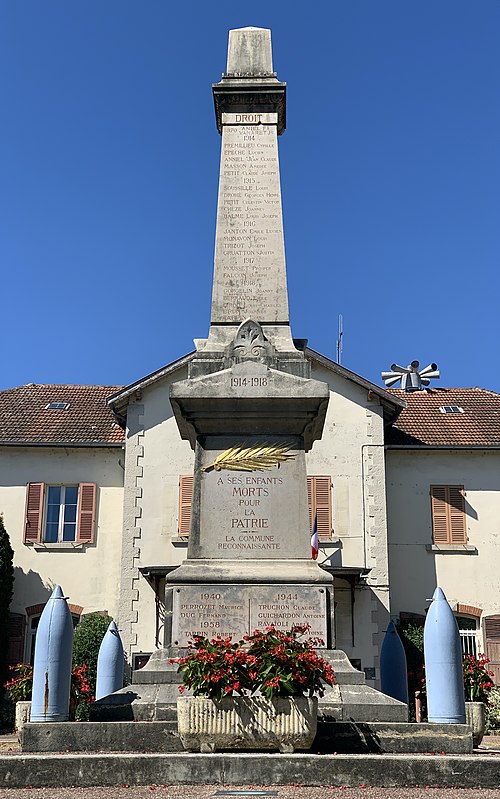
[
  {"x": 23, "y": 710},
  {"x": 475, "y": 716},
  {"x": 241, "y": 722}
]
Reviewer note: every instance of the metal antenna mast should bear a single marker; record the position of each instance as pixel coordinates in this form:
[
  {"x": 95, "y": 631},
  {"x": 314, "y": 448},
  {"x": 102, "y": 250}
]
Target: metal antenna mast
[{"x": 339, "y": 340}]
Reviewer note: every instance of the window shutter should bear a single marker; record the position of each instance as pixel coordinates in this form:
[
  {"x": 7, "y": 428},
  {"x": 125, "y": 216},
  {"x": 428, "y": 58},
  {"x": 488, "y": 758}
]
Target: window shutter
[
  {"x": 310, "y": 501},
  {"x": 319, "y": 496},
  {"x": 458, "y": 530},
  {"x": 34, "y": 513},
  {"x": 15, "y": 651},
  {"x": 439, "y": 514},
  {"x": 86, "y": 512},
  {"x": 492, "y": 642},
  {"x": 185, "y": 501},
  {"x": 448, "y": 515}
]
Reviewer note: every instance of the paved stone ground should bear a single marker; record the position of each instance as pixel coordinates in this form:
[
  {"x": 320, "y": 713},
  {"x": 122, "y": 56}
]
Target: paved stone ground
[{"x": 283, "y": 792}]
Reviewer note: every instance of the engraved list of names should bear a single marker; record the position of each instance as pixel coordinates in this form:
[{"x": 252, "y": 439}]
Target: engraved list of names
[{"x": 249, "y": 273}]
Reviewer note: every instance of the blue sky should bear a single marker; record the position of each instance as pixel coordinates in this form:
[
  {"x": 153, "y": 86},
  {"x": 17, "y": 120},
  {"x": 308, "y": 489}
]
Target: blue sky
[{"x": 390, "y": 171}]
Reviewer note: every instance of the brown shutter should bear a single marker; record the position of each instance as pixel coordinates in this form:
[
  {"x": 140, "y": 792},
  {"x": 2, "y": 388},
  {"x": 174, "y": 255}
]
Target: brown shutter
[
  {"x": 448, "y": 515},
  {"x": 86, "y": 512},
  {"x": 15, "y": 651},
  {"x": 310, "y": 501},
  {"x": 458, "y": 528},
  {"x": 34, "y": 513},
  {"x": 492, "y": 644},
  {"x": 319, "y": 497},
  {"x": 185, "y": 501}
]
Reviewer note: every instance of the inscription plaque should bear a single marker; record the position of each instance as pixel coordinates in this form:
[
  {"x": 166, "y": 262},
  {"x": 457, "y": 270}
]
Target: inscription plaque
[
  {"x": 249, "y": 514},
  {"x": 238, "y": 610}
]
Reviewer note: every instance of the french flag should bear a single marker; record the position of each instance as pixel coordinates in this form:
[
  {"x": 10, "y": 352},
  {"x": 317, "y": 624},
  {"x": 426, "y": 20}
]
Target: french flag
[{"x": 315, "y": 540}]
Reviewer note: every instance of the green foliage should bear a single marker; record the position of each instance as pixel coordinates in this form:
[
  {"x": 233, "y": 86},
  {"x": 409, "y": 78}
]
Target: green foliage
[
  {"x": 88, "y": 638},
  {"x": 276, "y": 663},
  {"x": 493, "y": 709},
  {"x": 6, "y": 589},
  {"x": 20, "y": 685}
]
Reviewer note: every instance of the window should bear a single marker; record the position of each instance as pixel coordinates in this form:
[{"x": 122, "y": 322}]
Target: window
[
  {"x": 318, "y": 492},
  {"x": 451, "y": 409},
  {"x": 468, "y": 635},
  {"x": 15, "y": 650},
  {"x": 60, "y": 513},
  {"x": 448, "y": 515}
]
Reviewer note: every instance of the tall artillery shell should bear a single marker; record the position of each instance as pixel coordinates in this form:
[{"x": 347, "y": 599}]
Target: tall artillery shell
[
  {"x": 393, "y": 670},
  {"x": 443, "y": 663},
  {"x": 110, "y": 663},
  {"x": 52, "y": 667}
]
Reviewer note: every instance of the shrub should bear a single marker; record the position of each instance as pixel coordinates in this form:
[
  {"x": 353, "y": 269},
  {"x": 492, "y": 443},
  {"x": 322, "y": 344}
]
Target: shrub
[
  {"x": 6, "y": 589},
  {"x": 88, "y": 638},
  {"x": 493, "y": 716}
]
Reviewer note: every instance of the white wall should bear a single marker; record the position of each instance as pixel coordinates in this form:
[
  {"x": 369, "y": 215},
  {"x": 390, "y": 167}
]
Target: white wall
[
  {"x": 90, "y": 575},
  {"x": 155, "y": 457},
  {"x": 467, "y": 578}
]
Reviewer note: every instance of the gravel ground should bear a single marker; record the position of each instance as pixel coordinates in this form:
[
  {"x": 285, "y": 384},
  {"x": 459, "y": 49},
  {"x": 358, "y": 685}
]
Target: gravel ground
[{"x": 283, "y": 792}]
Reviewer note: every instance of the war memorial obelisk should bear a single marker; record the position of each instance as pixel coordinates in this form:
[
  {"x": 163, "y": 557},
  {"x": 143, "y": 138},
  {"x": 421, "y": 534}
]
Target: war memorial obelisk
[
  {"x": 250, "y": 411},
  {"x": 249, "y": 408}
]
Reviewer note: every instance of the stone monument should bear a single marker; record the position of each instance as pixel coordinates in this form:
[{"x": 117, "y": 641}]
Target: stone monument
[
  {"x": 249, "y": 408},
  {"x": 250, "y": 412}
]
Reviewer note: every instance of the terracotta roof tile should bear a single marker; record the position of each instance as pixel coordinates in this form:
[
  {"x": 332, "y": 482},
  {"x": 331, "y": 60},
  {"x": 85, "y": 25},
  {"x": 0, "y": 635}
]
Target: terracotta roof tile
[
  {"x": 422, "y": 422},
  {"x": 24, "y": 416}
]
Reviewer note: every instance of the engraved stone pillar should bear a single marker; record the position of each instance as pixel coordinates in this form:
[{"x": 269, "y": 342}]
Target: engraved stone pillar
[{"x": 249, "y": 264}]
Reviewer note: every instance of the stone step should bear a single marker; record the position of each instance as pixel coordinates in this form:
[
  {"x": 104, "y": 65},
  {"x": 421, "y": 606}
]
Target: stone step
[
  {"x": 162, "y": 736},
  {"x": 382, "y": 770}
]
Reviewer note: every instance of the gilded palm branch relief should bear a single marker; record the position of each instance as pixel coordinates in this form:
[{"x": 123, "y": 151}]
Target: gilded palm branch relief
[{"x": 256, "y": 458}]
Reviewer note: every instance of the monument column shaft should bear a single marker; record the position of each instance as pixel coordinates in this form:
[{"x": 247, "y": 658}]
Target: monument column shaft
[{"x": 249, "y": 270}]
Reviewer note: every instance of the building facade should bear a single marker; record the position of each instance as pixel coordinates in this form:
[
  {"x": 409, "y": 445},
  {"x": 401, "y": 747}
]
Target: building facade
[{"x": 95, "y": 493}]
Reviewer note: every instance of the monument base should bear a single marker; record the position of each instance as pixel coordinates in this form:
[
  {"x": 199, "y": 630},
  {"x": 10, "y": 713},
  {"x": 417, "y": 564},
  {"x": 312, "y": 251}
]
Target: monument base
[{"x": 153, "y": 694}]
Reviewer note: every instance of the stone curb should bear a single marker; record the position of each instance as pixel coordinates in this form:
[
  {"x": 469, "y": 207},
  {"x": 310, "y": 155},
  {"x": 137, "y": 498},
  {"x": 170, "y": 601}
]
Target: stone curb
[{"x": 87, "y": 770}]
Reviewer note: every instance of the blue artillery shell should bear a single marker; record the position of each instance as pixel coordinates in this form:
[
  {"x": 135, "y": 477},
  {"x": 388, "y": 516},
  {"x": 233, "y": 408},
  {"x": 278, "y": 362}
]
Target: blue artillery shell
[
  {"x": 52, "y": 666},
  {"x": 443, "y": 663},
  {"x": 110, "y": 663},
  {"x": 393, "y": 670}
]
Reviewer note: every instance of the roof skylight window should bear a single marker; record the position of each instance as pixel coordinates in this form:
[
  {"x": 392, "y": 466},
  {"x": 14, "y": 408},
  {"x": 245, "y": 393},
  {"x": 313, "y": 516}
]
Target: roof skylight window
[
  {"x": 57, "y": 406},
  {"x": 451, "y": 409}
]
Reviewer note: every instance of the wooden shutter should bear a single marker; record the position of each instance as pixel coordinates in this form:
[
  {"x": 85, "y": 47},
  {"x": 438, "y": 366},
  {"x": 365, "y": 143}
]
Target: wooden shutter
[
  {"x": 15, "y": 651},
  {"x": 86, "y": 512},
  {"x": 319, "y": 496},
  {"x": 34, "y": 513},
  {"x": 491, "y": 626},
  {"x": 185, "y": 501},
  {"x": 448, "y": 515},
  {"x": 456, "y": 504}
]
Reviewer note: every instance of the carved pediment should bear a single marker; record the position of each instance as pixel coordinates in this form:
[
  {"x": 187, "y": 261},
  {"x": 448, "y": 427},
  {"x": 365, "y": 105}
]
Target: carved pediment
[{"x": 250, "y": 343}]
